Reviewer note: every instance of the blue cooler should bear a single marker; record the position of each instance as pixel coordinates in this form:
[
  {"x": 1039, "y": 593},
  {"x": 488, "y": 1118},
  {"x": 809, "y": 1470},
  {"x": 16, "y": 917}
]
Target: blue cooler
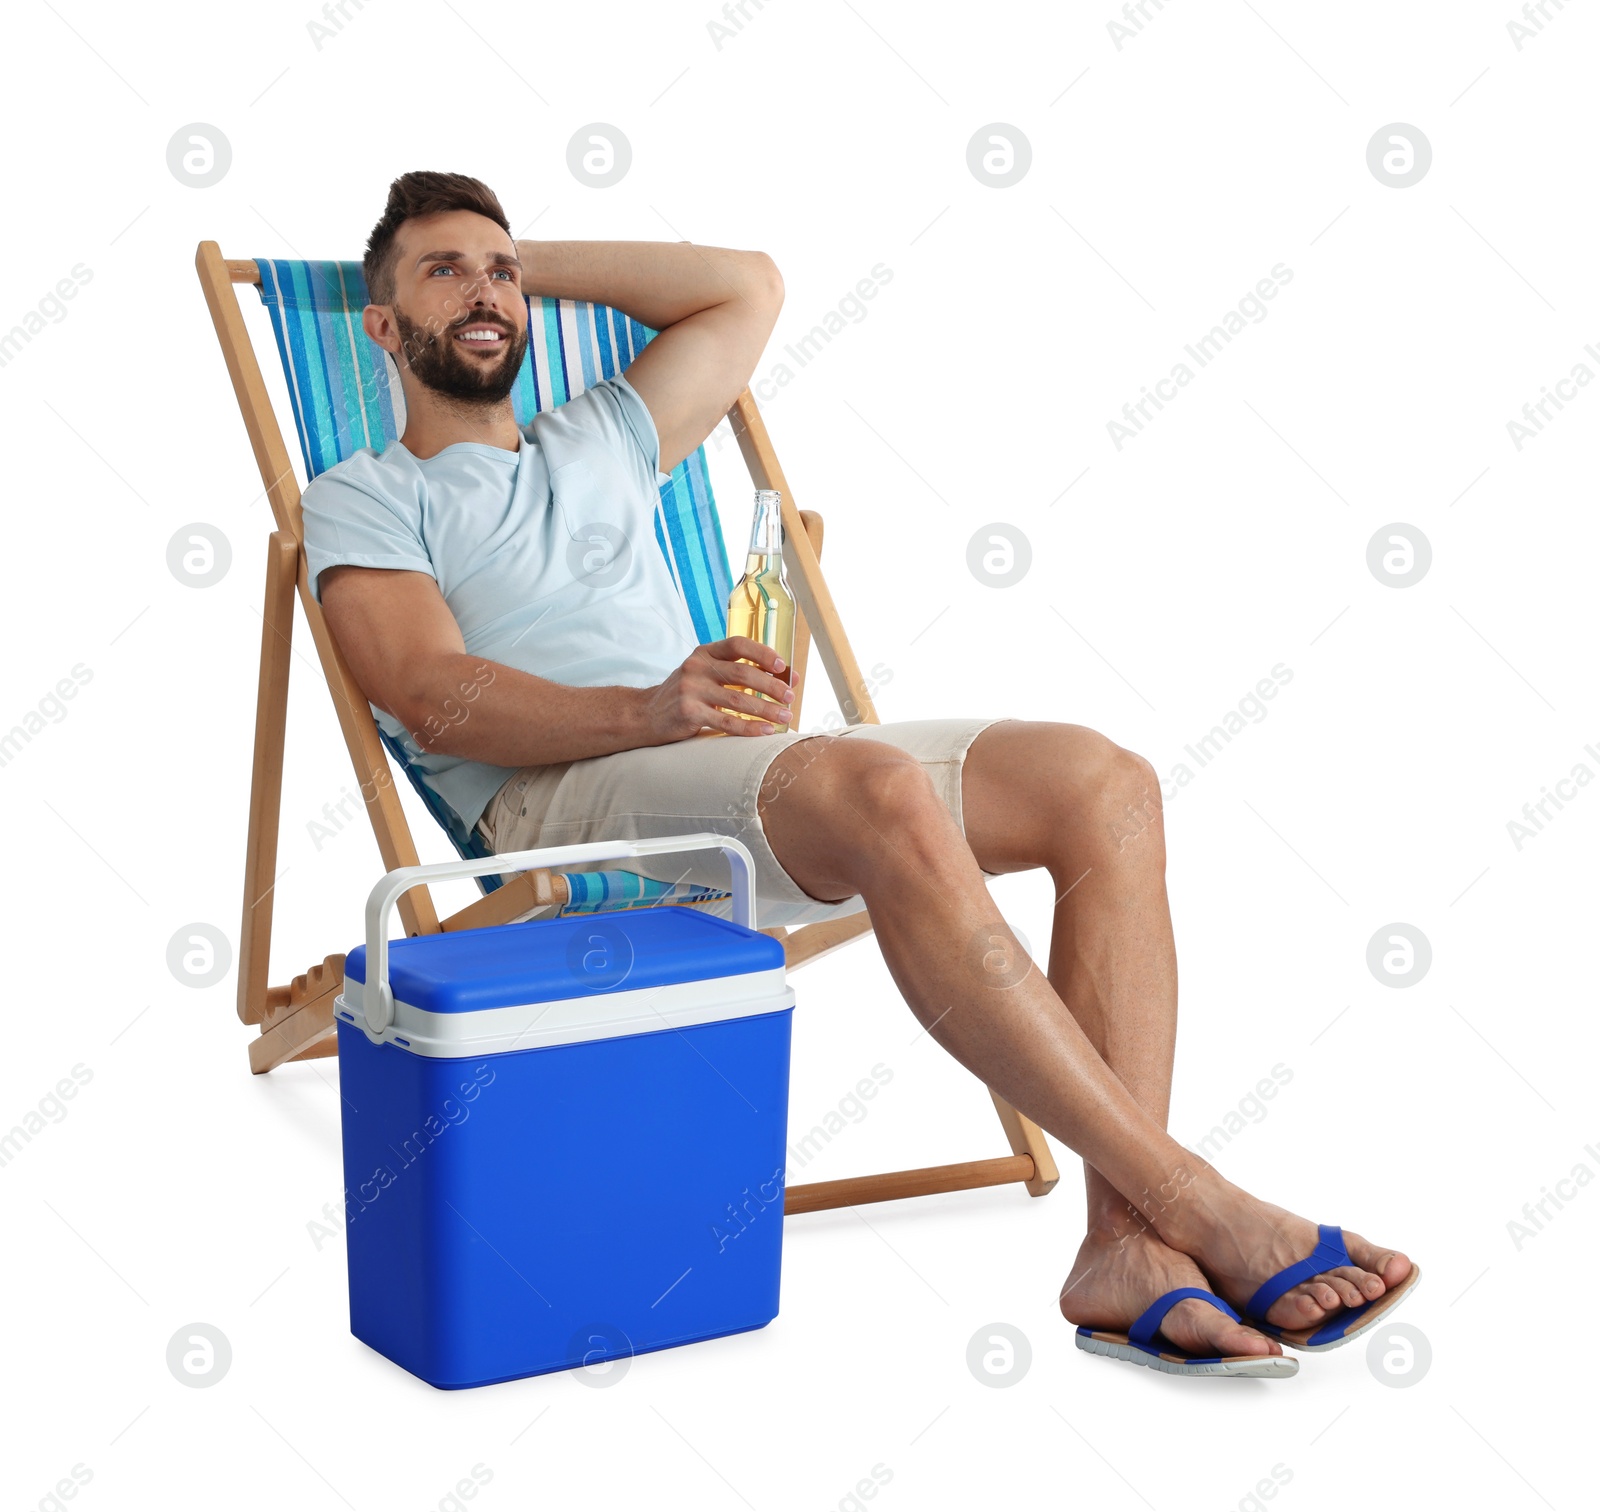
[{"x": 563, "y": 1139}]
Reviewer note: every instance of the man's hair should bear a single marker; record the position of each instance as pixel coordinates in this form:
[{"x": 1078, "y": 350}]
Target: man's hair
[{"x": 414, "y": 194}]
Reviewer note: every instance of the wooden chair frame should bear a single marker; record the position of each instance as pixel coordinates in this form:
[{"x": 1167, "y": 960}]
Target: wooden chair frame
[{"x": 296, "y": 1021}]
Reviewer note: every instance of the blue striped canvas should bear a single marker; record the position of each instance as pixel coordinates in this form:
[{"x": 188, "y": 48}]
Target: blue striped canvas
[{"x": 345, "y": 395}]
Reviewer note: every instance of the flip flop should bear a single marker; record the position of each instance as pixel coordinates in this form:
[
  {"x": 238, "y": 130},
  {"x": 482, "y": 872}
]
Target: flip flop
[
  {"x": 1342, "y": 1326},
  {"x": 1138, "y": 1345}
]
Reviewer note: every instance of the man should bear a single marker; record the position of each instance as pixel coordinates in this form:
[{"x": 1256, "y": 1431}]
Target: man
[{"x": 549, "y": 702}]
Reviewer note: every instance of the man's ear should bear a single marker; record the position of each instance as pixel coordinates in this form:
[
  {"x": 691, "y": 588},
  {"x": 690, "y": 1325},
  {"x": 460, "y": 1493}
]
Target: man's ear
[{"x": 378, "y": 322}]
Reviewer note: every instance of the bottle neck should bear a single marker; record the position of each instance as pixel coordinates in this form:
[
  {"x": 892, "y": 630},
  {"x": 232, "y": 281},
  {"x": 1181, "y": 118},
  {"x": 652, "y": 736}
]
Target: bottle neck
[{"x": 766, "y": 533}]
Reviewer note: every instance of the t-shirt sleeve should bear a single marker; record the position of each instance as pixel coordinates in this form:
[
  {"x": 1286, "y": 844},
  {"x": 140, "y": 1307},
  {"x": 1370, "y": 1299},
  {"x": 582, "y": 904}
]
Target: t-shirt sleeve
[
  {"x": 611, "y": 415},
  {"x": 347, "y": 524}
]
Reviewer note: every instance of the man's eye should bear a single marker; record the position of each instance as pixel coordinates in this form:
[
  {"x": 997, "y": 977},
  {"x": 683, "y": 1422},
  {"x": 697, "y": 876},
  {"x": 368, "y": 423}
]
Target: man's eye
[
  {"x": 442, "y": 268},
  {"x": 506, "y": 271}
]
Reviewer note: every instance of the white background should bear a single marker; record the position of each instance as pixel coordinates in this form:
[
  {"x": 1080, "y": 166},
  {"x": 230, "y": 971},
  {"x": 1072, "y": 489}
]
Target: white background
[{"x": 1168, "y": 175}]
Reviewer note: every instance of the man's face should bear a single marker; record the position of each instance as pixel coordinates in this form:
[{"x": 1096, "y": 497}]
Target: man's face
[{"x": 458, "y": 306}]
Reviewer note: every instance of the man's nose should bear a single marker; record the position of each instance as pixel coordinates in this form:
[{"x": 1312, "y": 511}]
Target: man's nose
[{"x": 480, "y": 290}]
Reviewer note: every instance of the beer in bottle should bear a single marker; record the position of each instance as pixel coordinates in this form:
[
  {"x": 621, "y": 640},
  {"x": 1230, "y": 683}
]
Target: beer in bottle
[{"x": 761, "y": 606}]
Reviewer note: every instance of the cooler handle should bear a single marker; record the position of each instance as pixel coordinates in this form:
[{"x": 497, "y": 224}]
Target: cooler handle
[{"x": 378, "y": 999}]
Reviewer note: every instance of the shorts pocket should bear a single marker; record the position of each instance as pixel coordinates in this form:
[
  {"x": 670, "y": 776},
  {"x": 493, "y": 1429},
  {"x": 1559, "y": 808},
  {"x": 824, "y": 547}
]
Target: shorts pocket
[{"x": 498, "y": 809}]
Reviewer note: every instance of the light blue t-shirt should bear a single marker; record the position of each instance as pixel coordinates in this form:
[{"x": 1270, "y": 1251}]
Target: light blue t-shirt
[{"x": 546, "y": 556}]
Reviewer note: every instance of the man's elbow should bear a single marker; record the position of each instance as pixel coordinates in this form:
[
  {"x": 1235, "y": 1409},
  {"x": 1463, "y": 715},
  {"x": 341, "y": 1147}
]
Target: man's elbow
[
  {"x": 430, "y": 731},
  {"x": 402, "y": 711},
  {"x": 438, "y": 695},
  {"x": 387, "y": 699}
]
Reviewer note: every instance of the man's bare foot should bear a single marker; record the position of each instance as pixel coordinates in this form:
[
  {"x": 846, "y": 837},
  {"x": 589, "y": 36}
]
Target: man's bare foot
[
  {"x": 1114, "y": 1280},
  {"x": 1240, "y": 1241}
]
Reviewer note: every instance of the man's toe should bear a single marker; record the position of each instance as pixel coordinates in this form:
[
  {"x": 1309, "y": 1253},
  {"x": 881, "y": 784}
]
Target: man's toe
[
  {"x": 1323, "y": 1294},
  {"x": 1201, "y": 1329},
  {"x": 1396, "y": 1267},
  {"x": 1390, "y": 1266},
  {"x": 1353, "y": 1285},
  {"x": 1297, "y": 1308},
  {"x": 1239, "y": 1339}
]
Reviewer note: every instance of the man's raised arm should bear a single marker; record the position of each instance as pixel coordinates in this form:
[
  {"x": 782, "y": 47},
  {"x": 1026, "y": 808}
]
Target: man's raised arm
[{"x": 714, "y": 309}]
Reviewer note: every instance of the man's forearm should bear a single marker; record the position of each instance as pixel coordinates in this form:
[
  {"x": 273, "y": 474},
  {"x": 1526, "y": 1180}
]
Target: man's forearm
[
  {"x": 468, "y": 706},
  {"x": 657, "y": 283}
]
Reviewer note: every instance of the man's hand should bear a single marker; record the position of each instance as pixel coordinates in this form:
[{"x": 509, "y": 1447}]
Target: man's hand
[
  {"x": 713, "y": 307},
  {"x": 699, "y": 693}
]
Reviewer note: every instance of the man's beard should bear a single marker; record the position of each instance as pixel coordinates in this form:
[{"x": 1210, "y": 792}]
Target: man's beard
[{"x": 437, "y": 363}]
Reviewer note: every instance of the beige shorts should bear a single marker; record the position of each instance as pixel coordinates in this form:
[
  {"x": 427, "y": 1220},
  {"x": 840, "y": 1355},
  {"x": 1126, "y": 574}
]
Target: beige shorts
[{"x": 702, "y": 783}]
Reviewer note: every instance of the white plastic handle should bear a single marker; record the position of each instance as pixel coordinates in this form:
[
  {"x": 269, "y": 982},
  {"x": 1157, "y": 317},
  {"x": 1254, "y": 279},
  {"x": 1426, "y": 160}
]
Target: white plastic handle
[{"x": 378, "y": 1000}]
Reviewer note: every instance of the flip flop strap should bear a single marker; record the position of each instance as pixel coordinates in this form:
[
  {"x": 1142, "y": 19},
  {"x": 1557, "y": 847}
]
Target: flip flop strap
[
  {"x": 1329, "y": 1254},
  {"x": 1149, "y": 1323}
]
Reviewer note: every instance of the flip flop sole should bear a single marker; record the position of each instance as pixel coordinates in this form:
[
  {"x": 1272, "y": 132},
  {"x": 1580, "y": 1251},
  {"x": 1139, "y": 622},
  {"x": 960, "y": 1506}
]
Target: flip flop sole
[
  {"x": 1365, "y": 1317},
  {"x": 1115, "y": 1346}
]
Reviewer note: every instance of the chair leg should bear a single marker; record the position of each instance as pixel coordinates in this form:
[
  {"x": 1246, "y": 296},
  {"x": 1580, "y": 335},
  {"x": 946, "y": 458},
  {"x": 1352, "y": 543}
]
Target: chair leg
[
  {"x": 297, "y": 1037},
  {"x": 266, "y": 777},
  {"x": 1030, "y": 1163},
  {"x": 299, "y": 1024},
  {"x": 810, "y": 942},
  {"x": 1027, "y": 1138},
  {"x": 888, "y": 1186}
]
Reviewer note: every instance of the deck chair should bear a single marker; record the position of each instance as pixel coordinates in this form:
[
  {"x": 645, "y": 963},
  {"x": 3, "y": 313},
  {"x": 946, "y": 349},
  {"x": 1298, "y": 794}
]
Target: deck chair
[{"x": 345, "y": 395}]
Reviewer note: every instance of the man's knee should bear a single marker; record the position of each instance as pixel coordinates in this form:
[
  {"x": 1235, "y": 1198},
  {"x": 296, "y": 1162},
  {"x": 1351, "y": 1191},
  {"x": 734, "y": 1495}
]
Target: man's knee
[
  {"x": 1121, "y": 797},
  {"x": 843, "y": 783},
  {"x": 1134, "y": 776},
  {"x": 891, "y": 786},
  {"x": 1098, "y": 788}
]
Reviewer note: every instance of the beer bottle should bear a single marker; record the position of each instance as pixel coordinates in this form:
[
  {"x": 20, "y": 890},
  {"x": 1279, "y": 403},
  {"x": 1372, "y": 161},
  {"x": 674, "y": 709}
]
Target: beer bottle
[{"x": 761, "y": 606}]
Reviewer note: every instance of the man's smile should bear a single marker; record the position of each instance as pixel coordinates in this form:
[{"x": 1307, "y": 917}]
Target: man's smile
[{"x": 482, "y": 337}]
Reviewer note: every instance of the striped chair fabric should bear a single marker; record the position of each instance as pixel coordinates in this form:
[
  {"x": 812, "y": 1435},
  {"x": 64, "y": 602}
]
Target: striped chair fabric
[{"x": 346, "y": 395}]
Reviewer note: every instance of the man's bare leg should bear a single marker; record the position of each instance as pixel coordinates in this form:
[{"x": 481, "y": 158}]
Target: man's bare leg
[
  {"x": 859, "y": 816},
  {"x": 1112, "y": 960},
  {"x": 1113, "y": 963}
]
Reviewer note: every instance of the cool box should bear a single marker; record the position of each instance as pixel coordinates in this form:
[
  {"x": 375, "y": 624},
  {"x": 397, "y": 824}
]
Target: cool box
[{"x": 563, "y": 1139}]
